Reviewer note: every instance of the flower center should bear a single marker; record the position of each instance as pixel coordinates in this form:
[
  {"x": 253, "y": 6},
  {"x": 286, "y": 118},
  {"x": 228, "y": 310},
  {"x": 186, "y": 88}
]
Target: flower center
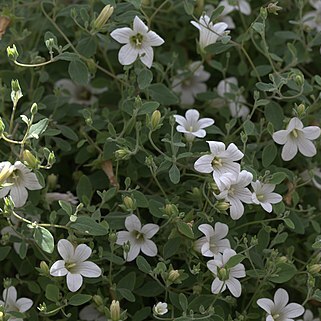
[
  {"x": 69, "y": 266},
  {"x": 260, "y": 197},
  {"x": 295, "y": 133},
  {"x": 217, "y": 162},
  {"x": 231, "y": 191},
  {"x": 275, "y": 316},
  {"x": 137, "y": 40},
  {"x": 139, "y": 236},
  {"x": 223, "y": 274}
]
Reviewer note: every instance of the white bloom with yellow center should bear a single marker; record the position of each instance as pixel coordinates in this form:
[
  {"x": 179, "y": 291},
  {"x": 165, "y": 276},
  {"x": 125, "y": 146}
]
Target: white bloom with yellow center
[
  {"x": 296, "y": 137},
  {"x": 138, "y": 43},
  {"x": 74, "y": 264}
]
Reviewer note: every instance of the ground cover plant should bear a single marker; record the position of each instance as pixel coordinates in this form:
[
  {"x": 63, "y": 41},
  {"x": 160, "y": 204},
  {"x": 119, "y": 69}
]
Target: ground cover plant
[{"x": 160, "y": 160}]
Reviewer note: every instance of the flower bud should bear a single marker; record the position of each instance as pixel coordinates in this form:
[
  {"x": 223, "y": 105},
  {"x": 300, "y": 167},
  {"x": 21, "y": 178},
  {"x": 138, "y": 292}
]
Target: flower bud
[
  {"x": 223, "y": 274},
  {"x": 263, "y": 13},
  {"x": 52, "y": 180},
  {"x": 214, "y": 188},
  {"x": 29, "y": 159},
  {"x": 112, "y": 238},
  {"x": 7, "y": 282},
  {"x": 51, "y": 158},
  {"x": 103, "y": 17},
  {"x": 2, "y": 316},
  {"x": 115, "y": 311},
  {"x": 222, "y": 206},
  {"x": 129, "y": 203},
  {"x": 8, "y": 206},
  {"x": 160, "y": 308},
  {"x": 314, "y": 268},
  {"x": 34, "y": 109},
  {"x": 44, "y": 268},
  {"x": 16, "y": 92},
  {"x": 155, "y": 120},
  {"x": 146, "y": 2},
  {"x": 12, "y": 53},
  {"x": 50, "y": 43},
  {"x": 2, "y": 127},
  {"x": 197, "y": 289},
  {"x": 299, "y": 79},
  {"x": 98, "y": 300},
  {"x": 173, "y": 275},
  {"x": 171, "y": 210},
  {"x": 273, "y": 8},
  {"x": 123, "y": 154}
]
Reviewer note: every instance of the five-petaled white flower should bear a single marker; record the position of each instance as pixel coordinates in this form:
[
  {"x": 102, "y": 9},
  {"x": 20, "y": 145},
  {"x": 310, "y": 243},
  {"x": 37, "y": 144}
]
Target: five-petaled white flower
[
  {"x": 191, "y": 125},
  {"x": 295, "y": 137},
  {"x": 237, "y": 105},
  {"x": 160, "y": 308},
  {"x": 138, "y": 43},
  {"x": 11, "y": 304},
  {"x": 74, "y": 264},
  {"x": 189, "y": 84},
  {"x": 280, "y": 310},
  {"x": 138, "y": 237},
  {"x": 308, "y": 316},
  {"x": 312, "y": 18},
  {"x": 225, "y": 276},
  {"x": 19, "y": 181},
  {"x": 263, "y": 195},
  {"x": 221, "y": 161},
  {"x": 209, "y": 32},
  {"x": 239, "y": 5},
  {"x": 213, "y": 242},
  {"x": 235, "y": 192}
]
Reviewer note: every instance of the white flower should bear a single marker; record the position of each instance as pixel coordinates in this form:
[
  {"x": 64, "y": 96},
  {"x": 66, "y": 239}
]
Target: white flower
[
  {"x": 308, "y": 316},
  {"x": 213, "y": 242},
  {"x": 312, "y": 18},
  {"x": 240, "y": 5},
  {"x": 224, "y": 276},
  {"x": 237, "y": 106},
  {"x": 160, "y": 308},
  {"x": 138, "y": 43},
  {"x": 235, "y": 192},
  {"x": 189, "y": 84},
  {"x": 191, "y": 125},
  {"x": 74, "y": 264},
  {"x": 280, "y": 310},
  {"x": 228, "y": 20},
  {"x": 19, "y": 181},
  {"x": 82, "y": 95},
  {"x": 90, "y": 313},
  {"x": 138, "y": 237},
  {"x": 221, "y": 161},
  {"x": 209, "y": 32},
  {"x": 10, "y": 303},
  {"x": 263, "y": 195},
  {"x": 296, "y": 137},
  {"x": 67, "y": 197}
]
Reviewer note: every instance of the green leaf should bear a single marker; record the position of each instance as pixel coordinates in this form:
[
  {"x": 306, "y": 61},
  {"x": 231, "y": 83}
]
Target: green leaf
[
  {"x": 144, "y": 78},
  {"x": 142, "y": 314},
  {"x": 38, "y": 128},
  {"x": 185, "y": 229},
  {"x": 44, "y": 239},
  {"x": 79, "y": 299},
  {"x": 127, "y": 294},
  {"x": 317, "y": 243},
  {"x": 183, "y": 301},
  {"x": 84, "y": 190},
  {"x": 285, "y": 273},
  {"x": 148, "y": 107},
  {"x": 89, "y": 226},
  {"x": 52, "y": 293},
  {"x": 234, "y": 260},
  {"x": 218, "y": 48},
  {"x": 258, "y": 27},
  {"x": 66, "y": 206},
  {"x": 189, "y": 6},
  {"x": 265, "y": 86},
  {"x": 87, "y": 46},
  {"x": 288, "y": 222},
  {"x": 155, "y": 208},
  {"x": 317, "y": 295},
  {"x": 273, "y": 112},
  {"x": 216, "y": 13},
  {"x": 4, "y": 251},
  {"x": 143, "y": 265},
  {"x": 78, "y": 72},
  {"x": 174, "y": 174},
  {"x": 68, "y": 132},
  {"x": 268, "y": 155},
  {"x": 135, "y": 3},
  {"x": 67, "y": 56},
  {"x": 277, "y": 178},
  {"x": 249, "y": 127},
  {"x": 171, "y": 247},
  {"x": 128, "y": 281},
  {"x": 162, "y": 94}
]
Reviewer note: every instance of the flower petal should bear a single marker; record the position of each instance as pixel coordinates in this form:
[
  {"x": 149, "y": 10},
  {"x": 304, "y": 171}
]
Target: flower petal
[
  {"x": 293, "y": 310},
  {"x": 154, "y": 39},
  {"x": 221, "y": 230},
  {"x": 139, "y": 26},
  {"x": 204, "y": 164},
  {"x": 19, "y": 195},
  {"x": 236, "y": 209},
  {"x": 82, "y": 253},
  {"x": 122, "y": 35},
  {"x": 281, "y": 136},
  {"x": 132, "y": 223},
  {"x": 281, "y": 298},
  {"x": 149, "y": 230},
  {"x": 146, "y": 55},
  {"x": 311, "y": 132},
  {"x": 234, "y": 153},
  {"x": 133, "y": 252},
  {"x": 180, "y": 120},
  {"x": 122, "y": 237},
  {"x": 266, "y": 304},
  {"x": 149, "y": 248},
  {"x": 205, "y": 122},
  {"x": 306, "y": 147},
  {"x": 88, "y": 269},
  {"x": 234, "y": 286},
  {"x": 58, "y": 268},
  {"x": 216, "y": 147},
  {"x": 30, "y": 181},
  {"x": 66, "y": 250},
  {"x": 127, "y": 54},
  {"x": 218, "y": 286},
  {"x": 10, "y": 296},
  {"x": 74, "y": 281},
  {"x": 289, "y": 150},
  {"x": 24, "y": 304},
  {"x": 207, "y": 230}
]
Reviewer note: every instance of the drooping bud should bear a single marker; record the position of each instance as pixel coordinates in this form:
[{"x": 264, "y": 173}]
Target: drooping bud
[
  {"x": 222, "y": 206},
  {"x": 314, "y": 268},
  {"x": 103, "y": 17},
  {"x": 16, "y": 92},
  {"x": 12, "y": 53},
  {"x": 122, "y": 154},
  {"x": 115, "y": 310},
  {"x": 29, "y": 159}
]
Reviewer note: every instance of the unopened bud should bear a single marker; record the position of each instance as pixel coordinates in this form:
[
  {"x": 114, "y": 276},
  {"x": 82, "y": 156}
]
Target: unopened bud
[
  {"x": 92, "y": 66},
  {"x": 222, "y": 206},
  {"x": 8, "y": 206},
  {"x": 173, "y": 275},
  {"x": 50, "y": 43},
  {"x": 16, "y": 92},
  {"x": 103, "y": 17},
  {"x": 214, "y": 188},
  {"x": 34, "y": 109},
  {"x": 1, "y": 316},
  {"x": 5, "y": 171},
  {"x": 115, "y": 311},
  {"x": 196, "y": 193},
  {"x": 12, "y": 53},
  {"x": 282, "y": 259},
  {"x": 112, "y": 238},
  {"x": 98, "y": 300},
  {"x": 44, "y": 268},
  {"x": 223, "y": 274},
  {"x": 29, "y": 159},
  {"x": 273, "y": 8},
  {"x": 263, "y": 13},
  {"x": 171, "y": 210},
  {"x": 123, "y": 154},
  {"x": 299, "y": 80},
  {"x": 51, "y": 159},
  {"x": 7, "y": 282},
  {"x": 52, "y": 180},
  {"x": 2, "y": 127},
  {"x": 155, "y": 120},
  {"x": 129, "y": 203},
  {"x": 314, "y": 268}
]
